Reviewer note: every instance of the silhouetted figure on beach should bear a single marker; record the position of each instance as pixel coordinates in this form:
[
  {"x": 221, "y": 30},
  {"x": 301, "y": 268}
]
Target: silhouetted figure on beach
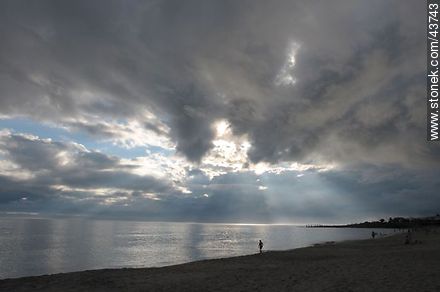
[
  {"x": 373, "y": 234},
  {"x": 260, "y": 245},
  {"x": 408, "y": 237}
]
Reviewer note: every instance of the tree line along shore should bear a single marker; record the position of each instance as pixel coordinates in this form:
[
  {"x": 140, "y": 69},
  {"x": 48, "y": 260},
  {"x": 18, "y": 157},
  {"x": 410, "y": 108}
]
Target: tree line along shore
[{"x": 394, "y": 223}]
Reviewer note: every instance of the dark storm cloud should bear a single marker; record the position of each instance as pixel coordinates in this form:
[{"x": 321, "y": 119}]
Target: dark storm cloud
[
  {"x": 56, "y": 53},
  {"x": 192, "y": 63}
]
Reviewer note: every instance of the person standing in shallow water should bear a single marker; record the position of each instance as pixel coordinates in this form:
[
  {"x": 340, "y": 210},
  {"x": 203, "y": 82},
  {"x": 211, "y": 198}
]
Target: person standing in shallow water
[{"x": 260, "y": 245}]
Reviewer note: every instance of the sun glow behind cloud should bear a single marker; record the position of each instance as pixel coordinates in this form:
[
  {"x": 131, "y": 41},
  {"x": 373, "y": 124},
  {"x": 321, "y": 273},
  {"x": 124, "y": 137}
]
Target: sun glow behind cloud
[
  {"x": 285, "y": 76},
  {"x": 230, "y": 154}
]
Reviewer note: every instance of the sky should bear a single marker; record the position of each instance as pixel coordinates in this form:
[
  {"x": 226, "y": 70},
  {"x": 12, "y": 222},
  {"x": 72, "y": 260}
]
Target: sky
[{"x": 216, "y": 111}]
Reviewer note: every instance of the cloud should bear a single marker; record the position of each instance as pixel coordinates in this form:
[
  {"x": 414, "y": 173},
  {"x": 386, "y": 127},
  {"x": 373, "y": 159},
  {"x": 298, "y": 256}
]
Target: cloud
[
  {"x": 73, "y": 62},
  {"x": 69, "y": 166},
  {"x": 296, "y": 87},
  {"x": 41, "y": 175}
]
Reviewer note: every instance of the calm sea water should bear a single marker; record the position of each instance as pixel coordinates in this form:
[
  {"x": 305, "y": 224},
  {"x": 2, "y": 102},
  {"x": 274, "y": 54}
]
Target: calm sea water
[{"x": 31, "y": 246}]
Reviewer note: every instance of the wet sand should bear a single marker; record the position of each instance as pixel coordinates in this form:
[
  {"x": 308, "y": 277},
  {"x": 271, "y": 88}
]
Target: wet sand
[{"x": 382, "y": 264}]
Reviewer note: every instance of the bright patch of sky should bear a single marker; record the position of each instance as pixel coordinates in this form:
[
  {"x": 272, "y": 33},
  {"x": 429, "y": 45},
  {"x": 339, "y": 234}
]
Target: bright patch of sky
[{"x": 285, "y": 76}]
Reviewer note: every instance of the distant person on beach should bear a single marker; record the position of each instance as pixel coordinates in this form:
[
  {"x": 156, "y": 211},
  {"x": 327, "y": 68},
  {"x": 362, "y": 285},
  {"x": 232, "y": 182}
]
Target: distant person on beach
[
  {"x": 260, "y": 245},
  {"x": 373, "y": 234},
  {"x": 408, "y": 237}
]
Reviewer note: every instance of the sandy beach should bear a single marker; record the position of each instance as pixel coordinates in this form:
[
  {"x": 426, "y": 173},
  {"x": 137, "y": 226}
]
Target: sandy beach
[{"x": 382, "y": 264}]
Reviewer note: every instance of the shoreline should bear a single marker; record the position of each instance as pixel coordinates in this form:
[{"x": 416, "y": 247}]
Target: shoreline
[
  {"x": 320, "y": 243},
  {"x": 381, "y": 264}
]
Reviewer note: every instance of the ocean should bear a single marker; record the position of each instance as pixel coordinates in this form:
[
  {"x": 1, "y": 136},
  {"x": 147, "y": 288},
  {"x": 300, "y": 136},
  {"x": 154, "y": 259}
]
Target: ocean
[{"x": 36, "y": 246}]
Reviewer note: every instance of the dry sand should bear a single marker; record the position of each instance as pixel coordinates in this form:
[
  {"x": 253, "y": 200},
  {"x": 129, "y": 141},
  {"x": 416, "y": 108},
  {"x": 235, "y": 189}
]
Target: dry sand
[{"x": 384, "y": 264}]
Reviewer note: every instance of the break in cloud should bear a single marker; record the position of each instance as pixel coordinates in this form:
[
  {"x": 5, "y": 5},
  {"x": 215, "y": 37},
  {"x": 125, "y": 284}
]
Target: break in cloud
[{"x": 238, "y": 110}]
